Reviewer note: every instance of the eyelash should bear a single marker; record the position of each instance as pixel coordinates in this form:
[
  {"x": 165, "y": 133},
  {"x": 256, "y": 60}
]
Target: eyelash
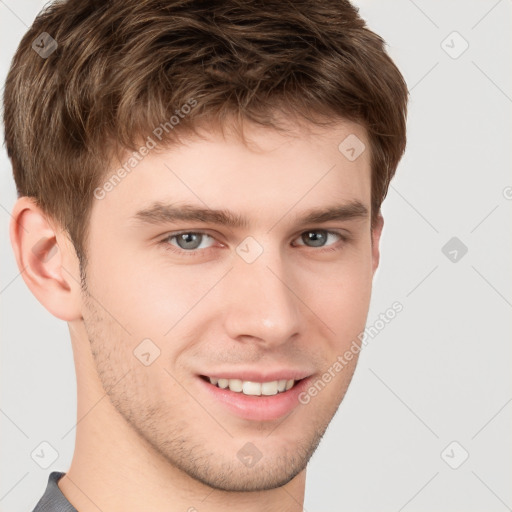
[{"x": 196, "y": 252}]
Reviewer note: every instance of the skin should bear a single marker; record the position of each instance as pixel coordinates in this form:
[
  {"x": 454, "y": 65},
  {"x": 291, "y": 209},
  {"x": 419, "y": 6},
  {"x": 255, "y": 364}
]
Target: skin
[{"x": 149, "y": 437}]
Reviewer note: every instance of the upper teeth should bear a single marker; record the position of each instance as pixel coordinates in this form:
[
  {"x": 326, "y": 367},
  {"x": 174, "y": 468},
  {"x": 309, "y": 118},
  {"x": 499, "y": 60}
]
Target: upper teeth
[{"x": 253, "y": 388}]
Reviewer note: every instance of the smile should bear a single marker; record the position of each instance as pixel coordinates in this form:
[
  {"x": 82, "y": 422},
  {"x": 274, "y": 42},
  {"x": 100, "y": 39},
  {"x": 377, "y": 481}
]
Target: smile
[
  {"x": 255, "y": 395},
  {"x": 252, "y": 388}
]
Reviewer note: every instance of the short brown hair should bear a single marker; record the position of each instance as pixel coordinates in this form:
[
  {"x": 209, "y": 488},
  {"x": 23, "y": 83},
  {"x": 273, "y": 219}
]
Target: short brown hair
[{"x": 122, "y": 67}]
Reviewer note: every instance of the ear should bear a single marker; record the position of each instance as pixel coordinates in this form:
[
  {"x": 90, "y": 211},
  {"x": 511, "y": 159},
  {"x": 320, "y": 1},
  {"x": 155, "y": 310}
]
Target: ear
[
  {"x": 46, "y": 259},
  {"x": 376, "y": 234}
]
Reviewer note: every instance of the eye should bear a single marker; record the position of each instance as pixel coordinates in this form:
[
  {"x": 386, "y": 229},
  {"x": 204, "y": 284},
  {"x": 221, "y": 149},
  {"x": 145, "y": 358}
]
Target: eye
[
  {"x": 319, "y": 238},
  {"x": 187, "y": 241},
  {"x": 195, "y": 243}
]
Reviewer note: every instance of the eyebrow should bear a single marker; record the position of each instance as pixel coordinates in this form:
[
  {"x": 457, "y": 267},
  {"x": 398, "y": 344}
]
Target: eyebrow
[{"x": 161, "y": 213}]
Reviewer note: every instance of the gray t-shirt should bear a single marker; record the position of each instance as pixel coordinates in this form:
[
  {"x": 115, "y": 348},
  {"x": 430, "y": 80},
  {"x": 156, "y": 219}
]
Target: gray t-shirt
[{"x": 53, "y": 500}]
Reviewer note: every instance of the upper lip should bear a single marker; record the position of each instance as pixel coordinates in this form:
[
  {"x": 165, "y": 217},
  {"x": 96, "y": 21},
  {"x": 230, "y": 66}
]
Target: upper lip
[{"x": 258, "y": 375}]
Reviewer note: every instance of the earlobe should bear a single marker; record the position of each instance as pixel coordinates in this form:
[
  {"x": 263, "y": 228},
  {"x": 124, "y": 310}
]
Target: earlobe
[
  {"x": 46, "y": 260},
  {"x": 376, "y": 234}
]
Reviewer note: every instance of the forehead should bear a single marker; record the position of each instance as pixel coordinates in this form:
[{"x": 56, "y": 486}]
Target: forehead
[{"x": 272, "y": 173}]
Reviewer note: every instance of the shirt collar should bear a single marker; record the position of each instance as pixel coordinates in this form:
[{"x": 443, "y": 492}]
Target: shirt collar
[{"x": 53, "y": 500}]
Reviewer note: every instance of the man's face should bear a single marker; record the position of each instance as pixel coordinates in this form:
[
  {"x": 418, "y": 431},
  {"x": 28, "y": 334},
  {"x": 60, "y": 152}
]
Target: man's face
[{"x": 275, "y": 299}]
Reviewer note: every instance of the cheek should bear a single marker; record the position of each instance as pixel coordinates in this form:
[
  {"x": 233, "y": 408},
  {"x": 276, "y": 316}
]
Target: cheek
[
  {"x": 341, "y": 297},
  {"x": 144, "y": 295}
]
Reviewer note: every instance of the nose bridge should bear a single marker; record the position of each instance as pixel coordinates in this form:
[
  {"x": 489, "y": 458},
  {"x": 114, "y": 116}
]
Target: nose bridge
[{"x": 261, "y": 302}]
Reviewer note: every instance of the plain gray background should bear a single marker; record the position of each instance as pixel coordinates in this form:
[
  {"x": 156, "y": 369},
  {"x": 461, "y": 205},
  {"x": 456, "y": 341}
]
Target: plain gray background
[{"x": 434, "y": 385}]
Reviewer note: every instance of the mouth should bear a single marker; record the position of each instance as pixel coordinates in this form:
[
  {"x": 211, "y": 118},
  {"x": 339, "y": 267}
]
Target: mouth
[
  {"x": 251, "y": 388},
  {"x": 258, "y": 399}
]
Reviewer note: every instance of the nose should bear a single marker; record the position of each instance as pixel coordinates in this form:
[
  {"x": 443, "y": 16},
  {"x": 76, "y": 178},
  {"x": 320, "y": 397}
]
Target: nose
[{"x": 262, "y": 305}]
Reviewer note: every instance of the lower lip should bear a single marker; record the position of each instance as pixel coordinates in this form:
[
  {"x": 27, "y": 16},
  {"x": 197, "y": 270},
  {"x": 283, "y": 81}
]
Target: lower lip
[{"x": 257, "y": 408}]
